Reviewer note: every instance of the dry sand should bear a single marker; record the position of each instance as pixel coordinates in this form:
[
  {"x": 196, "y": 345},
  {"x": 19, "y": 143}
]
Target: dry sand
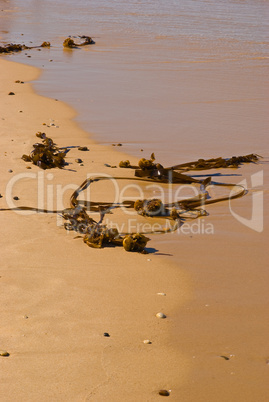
[{"x": 59, "y": 296}]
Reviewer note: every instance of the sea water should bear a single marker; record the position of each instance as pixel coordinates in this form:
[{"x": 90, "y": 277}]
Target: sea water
[{"x": 182, "y": 78}]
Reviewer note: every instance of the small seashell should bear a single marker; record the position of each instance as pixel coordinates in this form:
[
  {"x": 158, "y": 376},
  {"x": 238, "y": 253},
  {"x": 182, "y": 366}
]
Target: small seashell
[
  {"x": 161, "y": 294},
  {"x": 4, "y": 353},
  {"x": 147, "y": 342},
  {"x": 160, "y": 315},
  {"x": 164, "y": 392}
]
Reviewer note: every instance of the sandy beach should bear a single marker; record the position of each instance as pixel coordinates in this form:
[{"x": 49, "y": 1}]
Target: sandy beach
[
  {"x": 59, "y": 296},
  {"x": 186, "y": 80}
]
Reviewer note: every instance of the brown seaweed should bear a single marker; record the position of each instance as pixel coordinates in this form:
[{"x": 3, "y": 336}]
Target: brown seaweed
[
  {"x": 125, "y": 164},
  {"x": 46, "y": 155},
  {"x": 135, "y": 242},
  {"x": 70, "y": 43},
  {"x": 153, "y": 207},
  {"x": 13, "y": 47},
  {"x": 98, "y": 235}
]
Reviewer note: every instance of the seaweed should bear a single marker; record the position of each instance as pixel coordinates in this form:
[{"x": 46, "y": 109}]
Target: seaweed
[
  {"x": 13, "y": 47},
  {"x": 135, "y": 242},
  {"x": 70, "y": 43},
  {"x": 151, "y": 207},
  {"x": 45, "y": 44},
  {"x": 97, "y": 234},
  {"x": 46, "y": 155},
  {"x": 125, "y": 164}
]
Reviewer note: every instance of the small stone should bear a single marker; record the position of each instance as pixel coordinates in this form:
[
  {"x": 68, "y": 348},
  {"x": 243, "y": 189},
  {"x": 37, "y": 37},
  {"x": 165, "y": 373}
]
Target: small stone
[
  {"x": 78, "y": 160},
  {"x": 44, "y": 124},
  {"x": 147, "y": 342},
  {"x": 119, "y": 145},
  {"x": 10, "y": 171},
  {"x": 164, "y": 392},
  {"x": 52, "y": 124},
  {"x": 26, "y": 316},
  {"x": 83, "y": 148},
  {"x": 16, "y": 198},
  {"x": 4, "y": 353},
  {"x": 161, "y": 294},
  {"x": 148, "y": 259},
  {"x": 160, "y": 315},
  {"x": 11, "y": 93},
  {"x": 106, "y": 334}
]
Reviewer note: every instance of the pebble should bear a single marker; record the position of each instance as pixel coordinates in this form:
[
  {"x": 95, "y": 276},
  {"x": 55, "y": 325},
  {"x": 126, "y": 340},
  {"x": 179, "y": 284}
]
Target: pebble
[
  {"x": 106, "y": 334},
  {"x": 160, "y": 315},
  {"x": 161, "y": 294},
  {"x": 10, "y": 170},
  {"x": 78, "y": 161},
  {"x": 11, "y": 93},
  {"x": 148, "y": 259},
  {"x": 16, "y": 198},
  {"x": 147, "y": 342},
  {"x": 164, "y": 392},
  {"x": 83, "y": 148},
  {"x": 4, "y": 353}
]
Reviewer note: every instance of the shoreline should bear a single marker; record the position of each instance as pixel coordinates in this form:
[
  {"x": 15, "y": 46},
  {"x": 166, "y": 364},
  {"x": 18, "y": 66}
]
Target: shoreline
[{"x": 72, "y": 294}]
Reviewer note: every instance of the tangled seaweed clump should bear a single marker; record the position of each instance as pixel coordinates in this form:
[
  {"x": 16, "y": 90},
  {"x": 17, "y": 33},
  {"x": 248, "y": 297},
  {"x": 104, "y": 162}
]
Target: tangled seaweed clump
[
  {"x": 46, "y": 155},
  {"x": 152, "y": 207},
  {"x": 45, "y": 44},
  {"x": 97, "y": 235},
  {"x": 13, "y": 47},
  {"x": 70, "y": 43},
  {"x": 135, "y": 242},
  {"x": 125, "y": 164},
  {"x": 147, "y": 163}
]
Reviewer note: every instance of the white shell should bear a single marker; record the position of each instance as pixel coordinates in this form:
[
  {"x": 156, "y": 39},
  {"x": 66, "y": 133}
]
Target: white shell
[
  {"x": 160, "y": 315},
  {"x": 161, "y": 294},
  {"x": 147, "y": 341}
]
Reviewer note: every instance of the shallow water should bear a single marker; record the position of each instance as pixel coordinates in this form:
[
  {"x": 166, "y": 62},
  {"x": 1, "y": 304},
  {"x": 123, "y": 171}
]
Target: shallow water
[{"x": 182, "y": 78}]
